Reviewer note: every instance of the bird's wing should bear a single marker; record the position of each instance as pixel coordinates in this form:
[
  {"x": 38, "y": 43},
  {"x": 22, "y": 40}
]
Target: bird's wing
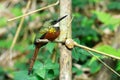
[{"x": 41, "y": 32}]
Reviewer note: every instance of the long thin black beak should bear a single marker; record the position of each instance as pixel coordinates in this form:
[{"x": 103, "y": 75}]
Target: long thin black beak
[{"x": 56, "y": 21}]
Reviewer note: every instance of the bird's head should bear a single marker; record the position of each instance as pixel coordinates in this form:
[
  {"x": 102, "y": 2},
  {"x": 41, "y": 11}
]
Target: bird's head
[{"x": 55, "y": 23}]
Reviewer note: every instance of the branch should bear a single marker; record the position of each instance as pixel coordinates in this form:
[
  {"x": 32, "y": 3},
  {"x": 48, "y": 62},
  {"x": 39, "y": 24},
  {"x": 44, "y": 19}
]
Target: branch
[
  {"x": 70, "y": 44},
  {"x": 34, "y": 11},
  {"x": 46, "y": 40},
  {"x": 18, "y": 31},
  {"x": 96, "y": 51},
  {"x": 20, "y": 26},
  {"x": 104, "y": 64}
]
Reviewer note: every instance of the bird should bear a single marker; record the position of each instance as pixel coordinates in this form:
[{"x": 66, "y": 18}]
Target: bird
[{"x": 50, "y": 31}]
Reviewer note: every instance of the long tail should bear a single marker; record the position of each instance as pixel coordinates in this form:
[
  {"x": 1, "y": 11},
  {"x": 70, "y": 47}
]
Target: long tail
[{"x": 33, "y": 59}]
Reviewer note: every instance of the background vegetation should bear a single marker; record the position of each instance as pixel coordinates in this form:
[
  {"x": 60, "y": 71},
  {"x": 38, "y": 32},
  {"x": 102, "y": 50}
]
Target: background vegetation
[{"x": 94, "y": 25}]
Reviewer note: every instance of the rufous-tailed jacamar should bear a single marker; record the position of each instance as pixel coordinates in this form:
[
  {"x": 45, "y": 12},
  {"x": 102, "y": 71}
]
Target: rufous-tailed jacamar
[{"x": 50, "y": 30}]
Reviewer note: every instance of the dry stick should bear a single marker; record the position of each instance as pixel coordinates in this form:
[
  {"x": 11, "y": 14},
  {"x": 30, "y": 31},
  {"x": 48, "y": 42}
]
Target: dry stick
[
  {"x": 104, "y": 63},
  {"x": 89, "y": 50},
  {"x": 19, "y": 28},
  {"x": 93, "y": 50},
  {"x": 96, "y": 51},
  {"x": 81, "y": 46},
  {"x": 34, "y": 11}
]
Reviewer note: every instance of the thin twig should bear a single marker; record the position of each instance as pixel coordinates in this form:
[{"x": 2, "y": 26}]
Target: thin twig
[
  {"x": 19, "y": 28},
  {"x": 34, "y": 11},
  {"x": 90, "y": 50},
  {"x": 81, "y": 46},
  {"x": 104, "y": 63},
  {"x": 96, "y": 51}
]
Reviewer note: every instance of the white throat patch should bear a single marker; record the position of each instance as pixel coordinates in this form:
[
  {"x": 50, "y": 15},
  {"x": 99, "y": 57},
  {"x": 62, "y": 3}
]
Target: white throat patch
[{"x": 56, "y": 25}]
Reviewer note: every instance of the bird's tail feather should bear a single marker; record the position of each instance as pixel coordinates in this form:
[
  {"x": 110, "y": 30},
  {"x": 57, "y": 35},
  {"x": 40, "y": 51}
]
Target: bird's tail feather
[{"x": 33, "y": 59}]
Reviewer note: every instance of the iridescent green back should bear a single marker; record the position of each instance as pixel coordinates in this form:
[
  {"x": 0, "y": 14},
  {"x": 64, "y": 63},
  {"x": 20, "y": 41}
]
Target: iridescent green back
[{"x": 43, "y": 29}]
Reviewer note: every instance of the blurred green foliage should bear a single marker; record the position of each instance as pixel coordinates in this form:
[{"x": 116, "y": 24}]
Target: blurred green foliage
[
  {"x": 82, "y": 32},
  {"x": 114, "y": 5}
]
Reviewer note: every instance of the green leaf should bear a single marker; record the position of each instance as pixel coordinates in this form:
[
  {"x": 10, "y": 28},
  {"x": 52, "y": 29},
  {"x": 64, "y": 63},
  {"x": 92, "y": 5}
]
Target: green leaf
[
  {"x": 114, "y": 5},
  {"x": 50, "y": 74},
  {"x": 92, "y": 60},
  {"x": 33, "y": 78},
  {"x": 118, "y": 66},
  {"x": 79, "y": 54},
  {"x": 96, "y": 1},
  {"x": 40, "y": 69},
  {"x": 94, "y": 65},
  {"x": 50, "y": 65},
  {"x": 21, "y": 75},
  {"x": 109, "y": 50},
  {"x": 34, "y": 16},
  {"x": 75, "y": 54},
  {"x": 1, "y": 70},
  {"x": 20, "y": 65},
  {"x": 56, "y": 72},
  {"x": 16, "y": 11},
  {"x": 79, "y": 3},
  {"x": 77, "y": 71},
  {"x": 41, "y": 72},
  {"x": 3, "y": 21},
  {"x": 5, "y": 43},
  {"x": 31, "y": 47},
  {"x": 38, "y": 65},
  {"x": 50, "y": 46},
  {"x": 106, "y": 18}
]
